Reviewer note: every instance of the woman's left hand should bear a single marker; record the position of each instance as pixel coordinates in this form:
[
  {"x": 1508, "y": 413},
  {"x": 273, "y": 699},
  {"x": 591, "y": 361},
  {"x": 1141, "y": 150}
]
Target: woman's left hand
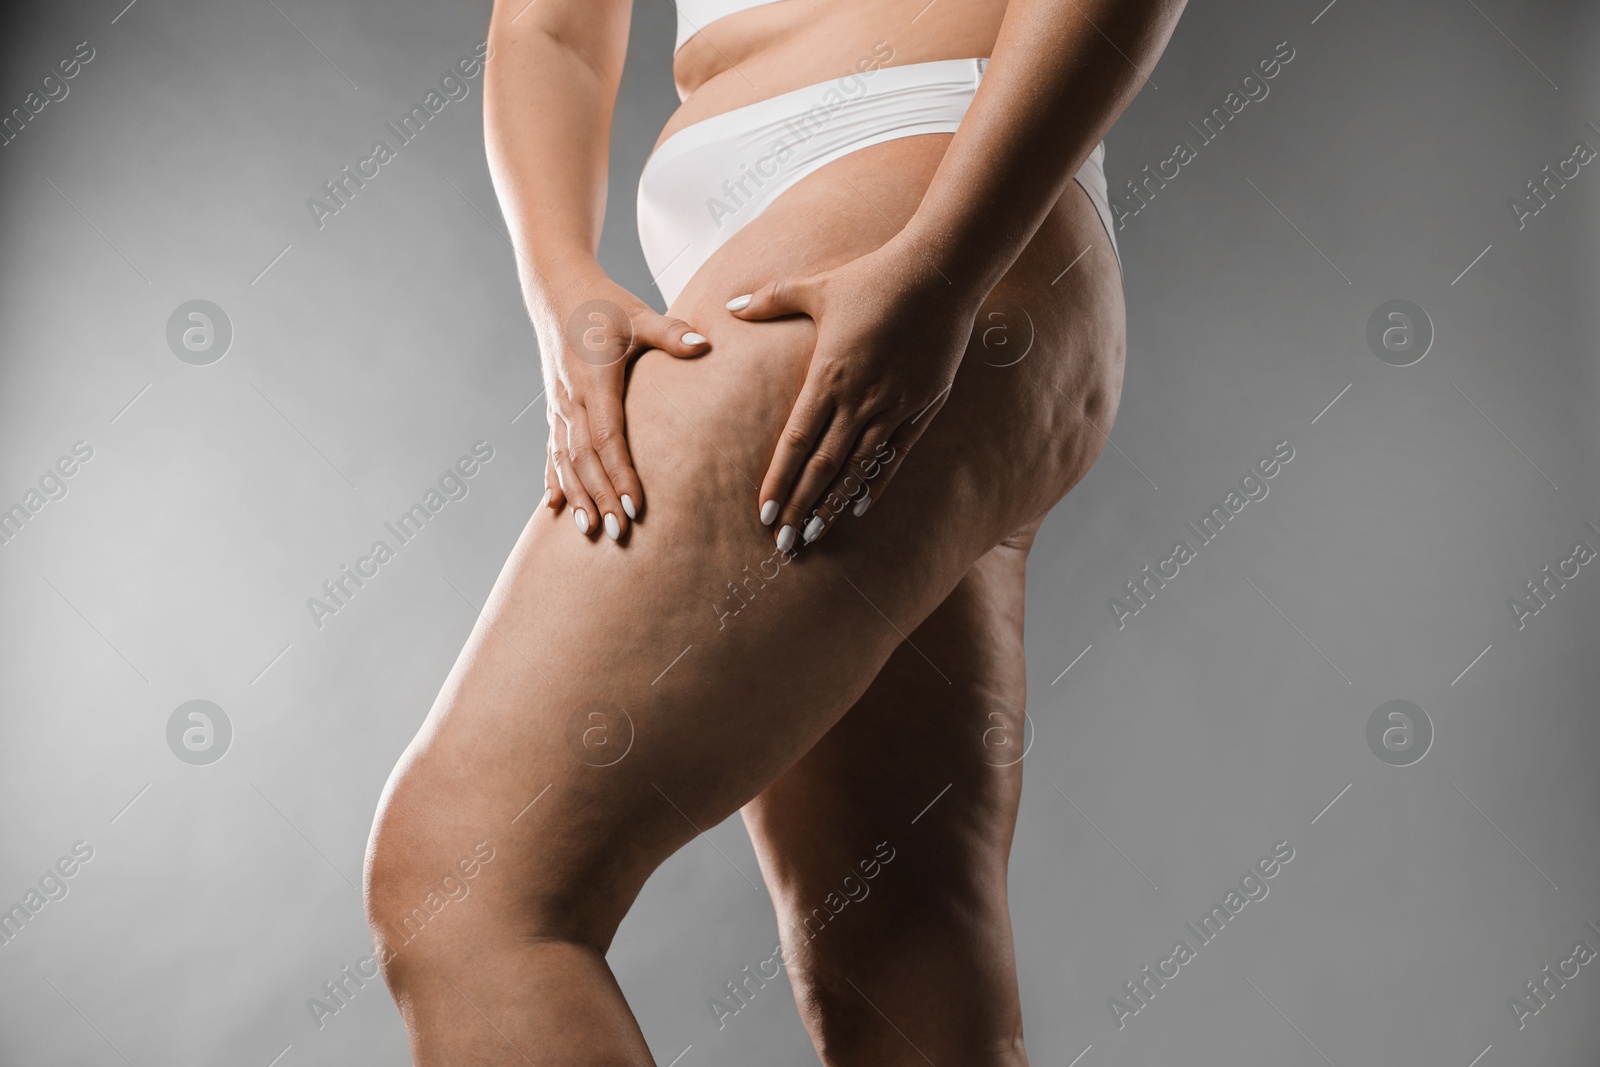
[{"x": 891, "y": 331}]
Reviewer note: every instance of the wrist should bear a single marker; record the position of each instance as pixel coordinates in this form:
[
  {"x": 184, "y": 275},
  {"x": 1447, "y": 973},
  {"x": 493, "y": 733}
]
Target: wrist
[
  {"x": 933, "y": 263},
  {"x": 553, "y": 285},
  {"x": 553, "y": 274}
]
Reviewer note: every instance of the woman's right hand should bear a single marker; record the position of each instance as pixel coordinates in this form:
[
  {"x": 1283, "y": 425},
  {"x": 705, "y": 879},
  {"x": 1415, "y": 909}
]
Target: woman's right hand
[{"x": 588, "y": 330}]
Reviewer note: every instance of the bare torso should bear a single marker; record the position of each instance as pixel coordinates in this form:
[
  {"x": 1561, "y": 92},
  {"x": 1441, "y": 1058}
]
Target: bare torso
[{"x": 771, "y": 49}]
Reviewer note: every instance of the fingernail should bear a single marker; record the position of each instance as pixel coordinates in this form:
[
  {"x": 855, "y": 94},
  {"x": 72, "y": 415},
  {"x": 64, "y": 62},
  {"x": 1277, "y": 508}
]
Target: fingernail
[
  {"x": 786, "y": 539},
  {"x": 581, "y": 517},
  {"x": 769, "y": 511},
  {"x": 693, "y": 339},
  {"x": 813, "y": 528},
  {"x": 544, "y": 500},
  {"x": 738, "y": 303},
  {"x": 861, "y": 506},
  {"x": 613, "y": 528},
  {"x": 627, "y": 506}
]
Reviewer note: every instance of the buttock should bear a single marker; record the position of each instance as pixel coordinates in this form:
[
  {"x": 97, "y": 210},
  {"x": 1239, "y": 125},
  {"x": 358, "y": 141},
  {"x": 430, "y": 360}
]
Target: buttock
[{"x": 1032, "y": 401}]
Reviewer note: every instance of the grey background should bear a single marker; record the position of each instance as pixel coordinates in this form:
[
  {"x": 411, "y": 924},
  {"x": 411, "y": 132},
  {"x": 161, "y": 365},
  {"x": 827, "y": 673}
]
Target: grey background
[{"x": 369, "y": 354}]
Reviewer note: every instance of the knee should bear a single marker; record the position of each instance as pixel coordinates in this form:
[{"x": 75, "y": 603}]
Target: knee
[
  {"x": 441, "y": 886},
  {"x": 428, "y": 893}
]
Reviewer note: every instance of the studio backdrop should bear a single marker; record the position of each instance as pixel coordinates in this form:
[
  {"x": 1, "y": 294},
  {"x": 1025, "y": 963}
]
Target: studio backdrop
[{"x": 1359, "y": 242}]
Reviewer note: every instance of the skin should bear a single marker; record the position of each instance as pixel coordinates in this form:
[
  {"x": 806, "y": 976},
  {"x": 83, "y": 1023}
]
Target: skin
[{"x": 614, "y": 699}]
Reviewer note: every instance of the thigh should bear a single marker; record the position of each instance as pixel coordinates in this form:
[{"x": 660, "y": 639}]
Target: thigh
[
  {"x": 707, "y": 662},
  {"x": 885, "y": 847}
]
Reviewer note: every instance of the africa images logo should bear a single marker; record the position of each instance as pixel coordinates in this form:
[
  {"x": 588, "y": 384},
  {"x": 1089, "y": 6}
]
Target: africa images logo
[
  {"x": 341, "y": 189},
  {"x": 1142, "y": 590},
  {"x": 453, "y": 485},
  {"x": 1139, "y": 991},
  {"x": 53, "y": 89}
]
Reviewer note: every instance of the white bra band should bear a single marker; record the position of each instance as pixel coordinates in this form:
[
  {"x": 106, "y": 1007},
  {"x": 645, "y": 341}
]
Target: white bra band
[{"x": 696, "y": 15}]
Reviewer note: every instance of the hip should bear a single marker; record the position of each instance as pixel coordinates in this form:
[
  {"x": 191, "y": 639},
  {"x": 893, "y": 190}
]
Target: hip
[
  {"x": 1044, "y": 360},
  {"x": 707, "y": 181}
]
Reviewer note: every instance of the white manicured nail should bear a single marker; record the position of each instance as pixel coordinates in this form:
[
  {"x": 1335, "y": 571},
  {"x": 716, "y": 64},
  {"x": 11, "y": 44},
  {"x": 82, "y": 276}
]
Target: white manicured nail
[
  {"x": 813, "y": 528},
  {"x": 693, "y": 339},
  {"x": 786, "y": 539},
  {"x": 581, "y": 517},
  {"x": 861, "y": 506},
  {"x": 769, "y": 511},
  {"x": 738, "y": 303},
  {"x": 627, "y": 506},
  {"x": 613, "y": 528},
  {"x": 544, "y": 500}
]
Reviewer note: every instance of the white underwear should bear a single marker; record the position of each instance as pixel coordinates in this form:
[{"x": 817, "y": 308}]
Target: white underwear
[{"x": 708, "y": 181}]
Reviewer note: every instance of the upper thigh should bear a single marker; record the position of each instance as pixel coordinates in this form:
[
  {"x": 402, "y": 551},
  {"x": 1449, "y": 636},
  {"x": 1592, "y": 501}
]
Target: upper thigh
[{"x": 712, "y": 662}]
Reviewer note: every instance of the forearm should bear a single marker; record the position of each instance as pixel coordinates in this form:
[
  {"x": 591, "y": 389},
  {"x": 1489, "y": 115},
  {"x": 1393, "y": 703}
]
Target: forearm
[
  {"x": 1061, "y": 73},
  {"x": 548, "y": 99}
]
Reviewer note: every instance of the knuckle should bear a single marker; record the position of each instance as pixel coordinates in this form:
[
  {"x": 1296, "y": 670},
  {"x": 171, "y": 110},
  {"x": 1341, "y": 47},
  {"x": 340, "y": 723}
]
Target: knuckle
[
  {"x": 824, "y": 459},
  {"x": 831, "y": 370},
  {"x": 796, "y": 437}
]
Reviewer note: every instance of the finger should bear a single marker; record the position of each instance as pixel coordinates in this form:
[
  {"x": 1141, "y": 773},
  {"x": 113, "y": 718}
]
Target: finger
[
  {"x": 804, "y": 429},
  {"x": 607, "y": 432},
  {"x": 585, "y": 457},
  {"x": 852, "y": 489},
  {"x": 584, "y": 513},
  {"x": 818, "y": 471},
  {"x": 553, "y": 496},
  {"x": 787, "y": 296},
  {"x": 673, "y": 336}
]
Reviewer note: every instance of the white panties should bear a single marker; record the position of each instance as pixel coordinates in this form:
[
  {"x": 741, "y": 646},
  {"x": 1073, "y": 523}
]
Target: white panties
[{"x": 708, "y": 181}]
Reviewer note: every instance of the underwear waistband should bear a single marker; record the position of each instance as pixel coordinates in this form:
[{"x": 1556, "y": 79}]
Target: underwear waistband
[{"x": 709, "y": 180}]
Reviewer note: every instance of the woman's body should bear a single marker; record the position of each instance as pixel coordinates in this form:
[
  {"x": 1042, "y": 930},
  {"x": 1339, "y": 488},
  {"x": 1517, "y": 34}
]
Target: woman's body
[{"x": 834, "y": 694}]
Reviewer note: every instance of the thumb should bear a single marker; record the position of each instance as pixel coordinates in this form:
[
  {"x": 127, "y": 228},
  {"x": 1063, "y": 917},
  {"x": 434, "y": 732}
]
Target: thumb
[
  {"x": 787, "y": 296},
  {"x": 673, "y": 336}
]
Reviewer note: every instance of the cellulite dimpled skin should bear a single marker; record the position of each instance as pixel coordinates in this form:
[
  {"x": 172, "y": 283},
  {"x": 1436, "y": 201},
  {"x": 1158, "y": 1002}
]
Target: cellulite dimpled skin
[{"x": 1390, "y": 162}]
